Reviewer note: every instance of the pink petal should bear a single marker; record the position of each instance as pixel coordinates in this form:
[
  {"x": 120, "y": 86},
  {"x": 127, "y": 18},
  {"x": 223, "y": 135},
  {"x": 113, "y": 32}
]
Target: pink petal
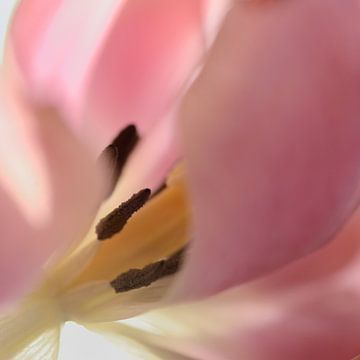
[
  {"x": 307, "y": 310},
  {"x": 231, "y": 326},
  {"x": 30, "y": 22},
  {"x": 56, "y": 58},
  {"x": 49, "y": 191},
  {"x": 125, "y": 63},
  {"x": 272, "y": 138}
]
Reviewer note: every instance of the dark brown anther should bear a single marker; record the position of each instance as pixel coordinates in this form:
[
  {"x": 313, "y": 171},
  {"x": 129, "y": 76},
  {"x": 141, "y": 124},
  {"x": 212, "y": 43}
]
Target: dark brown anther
[
  {"x": 116, "y": 154},
  {"x": 116, "y": 220},
  {"x": 138, "y": 278}
]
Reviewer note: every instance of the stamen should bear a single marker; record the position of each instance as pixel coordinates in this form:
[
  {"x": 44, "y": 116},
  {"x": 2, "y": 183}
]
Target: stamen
[
  {"x": 138, "y": 278},
  {"x": 116, "y": 154},
  {"x": 116, "y": 220}
]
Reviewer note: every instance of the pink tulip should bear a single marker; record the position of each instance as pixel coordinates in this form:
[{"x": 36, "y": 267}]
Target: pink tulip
[
  {"x": 270, "y": 137},
  {"x": 99, "y": 80}
]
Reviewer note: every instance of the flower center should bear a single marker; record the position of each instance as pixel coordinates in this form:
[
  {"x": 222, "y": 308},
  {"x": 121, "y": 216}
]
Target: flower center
[{"x": 142, "y": 240}]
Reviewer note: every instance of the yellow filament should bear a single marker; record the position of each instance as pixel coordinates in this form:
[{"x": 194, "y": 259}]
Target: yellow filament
[{"x": 157, "y": 230}]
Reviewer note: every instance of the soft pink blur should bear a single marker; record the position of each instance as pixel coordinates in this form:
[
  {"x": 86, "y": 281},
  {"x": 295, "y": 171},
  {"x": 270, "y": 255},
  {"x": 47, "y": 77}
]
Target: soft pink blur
[
  {"x": 49, "y": 190},
  {"x": 271, "y": 138},
  {"x": 271, "y": 135},
  {"x": 105, "y": 67},
  {"x": 307, "y": 310}
]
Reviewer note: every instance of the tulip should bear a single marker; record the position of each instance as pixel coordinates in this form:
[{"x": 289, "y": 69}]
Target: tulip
[{"x": 269, "y": 139}]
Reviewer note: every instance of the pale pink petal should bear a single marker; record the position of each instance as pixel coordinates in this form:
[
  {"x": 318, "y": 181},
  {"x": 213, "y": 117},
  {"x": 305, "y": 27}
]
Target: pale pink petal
[
  {"x": 340, "y": 259},
  {"x": 307, "y": 310},
  {"x": 15, "y": 261},
  {"x": 53, "y": 53},
  {"x": 29, "y": 27},
  {"x": 110, "y": 65},
  {"x": 144, "y": 62},
  {"x": 49, "y": 191},
  {"x": 319, "y": 325},
  {"x": 272, "y": 137}
]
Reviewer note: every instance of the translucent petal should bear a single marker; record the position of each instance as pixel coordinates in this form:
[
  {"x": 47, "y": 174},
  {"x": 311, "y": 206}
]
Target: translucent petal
[
  {"x": 33, "y": 324},
  {"x": 98, "y": 302},
  {"x": 45, "y": 347},
  {"x": 149, "y": 344},
  {"x": 79, "y": 343}
]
